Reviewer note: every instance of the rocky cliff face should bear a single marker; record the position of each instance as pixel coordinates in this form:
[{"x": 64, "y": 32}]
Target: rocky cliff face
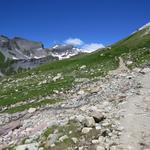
[
  {"x": 28, "y": 54},
  {"x": 19, "y": 48},
  {"x": 64, "y": 51}
]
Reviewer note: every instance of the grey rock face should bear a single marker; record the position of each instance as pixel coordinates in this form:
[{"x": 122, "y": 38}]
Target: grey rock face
[
  {"x": 64, "y": 51},
  {"x": 19, "y": 48},
  {"x": 28, "y": 54}
]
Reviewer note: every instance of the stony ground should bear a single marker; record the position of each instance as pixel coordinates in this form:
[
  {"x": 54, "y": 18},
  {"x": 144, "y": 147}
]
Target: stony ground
[
  {"x": 111, "y": 113},
  {"x": 136, "y": 120}
]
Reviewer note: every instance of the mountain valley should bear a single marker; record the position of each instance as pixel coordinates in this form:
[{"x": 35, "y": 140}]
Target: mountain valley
[{"x": 88, "y": 101}]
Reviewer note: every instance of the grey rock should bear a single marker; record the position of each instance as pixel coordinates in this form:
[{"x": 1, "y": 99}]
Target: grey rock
[
  {"x": 58, "y": 76},
  {"x": 32, "y": 146},
  {"x": 98, "y": 116},
  {"x": 95, "y": 141},
  {"x": 145, "y": 70},
  {"x": 129, "y": 62},
  {"x": 31, "y": 110},
  {"x": 80, "y": 118},
  {"x": 52, "y": 139},
  {"x": 61, "y": 139},
  {"x": 9, "y": 127},
  {"x": 75, "y": 140},
  {"x": 86, "y": 130},
  {"x": 88, "y": 122},
  {"x": 83, "y": 67},
  {"x": 80, "y": 148}
]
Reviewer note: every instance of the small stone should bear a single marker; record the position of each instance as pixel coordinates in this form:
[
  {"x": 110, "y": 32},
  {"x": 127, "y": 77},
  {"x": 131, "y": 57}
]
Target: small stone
[
  {"x": 88, "y": 122},
  {"x": 52, "y": 138},
  {"x": 98, "y": 127},
  {"x": 32, "y": 146},
  {"x": 136, "y": 69},
  {"x": 105, "y": 124},
  {"x": 101, "y": 139},
  {"x": 120, "y": 128},
  {"x": 145, "y": 70},
  {"x": 53, "y": 145},
  {"x": 95, "y": 141},
  {"x": 129, "y": 62},
  {"x": 81, "y": 92},
  {"x": 31, "y": 110},
  {"x": 83, "y": 67},
  {"x": 27, "y": 141},
  {"x": 98, "y": 116},
  {"x": 28, "y": 129},
  {"x": 94, "y": 90},
  {"x": 58, "y": 76},
  {"x": 56, "y": 91},
  {"x": 61, "y": 139},
  {"x": 100, "y": 148},
  {"x": 80, "y": 118},
  {"x": 75, "y": 140},
  {"x": 83, "y": 108},
  {"x": 80, "y": 148},
  {"x": 86, "y": 130}
]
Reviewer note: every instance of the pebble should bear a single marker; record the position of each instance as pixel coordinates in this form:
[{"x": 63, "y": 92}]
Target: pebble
[
  {"x": 31, "y": 110},
  {"x": 86, "y": 130},
  {"x": 61, "y": 139}
]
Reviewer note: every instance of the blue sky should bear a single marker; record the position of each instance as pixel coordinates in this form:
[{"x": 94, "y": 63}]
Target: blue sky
[{"x": 54, "y": 21}]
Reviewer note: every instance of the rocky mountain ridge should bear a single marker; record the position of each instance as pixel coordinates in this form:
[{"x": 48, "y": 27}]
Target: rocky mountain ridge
[
  {"x": 28, "y": 54},
  {"x": 22, "y": 49}
]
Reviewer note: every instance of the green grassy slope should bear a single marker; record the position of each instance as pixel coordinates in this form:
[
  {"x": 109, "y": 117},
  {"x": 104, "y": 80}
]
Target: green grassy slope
[
  {"x": 2, "y": 58},
  {"x": 136, "y": 47},
  {"x": 31, "y": 84},
  {"x": 5, "y": 65}
]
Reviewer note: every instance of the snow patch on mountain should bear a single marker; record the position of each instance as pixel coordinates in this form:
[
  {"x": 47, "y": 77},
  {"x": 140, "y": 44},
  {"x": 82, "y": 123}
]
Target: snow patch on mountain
[{"x": 145, "y": 26}]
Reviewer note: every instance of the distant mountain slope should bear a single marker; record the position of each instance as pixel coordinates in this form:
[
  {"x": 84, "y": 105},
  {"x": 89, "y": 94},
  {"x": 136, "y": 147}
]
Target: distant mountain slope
[{"x": 23, "y": 53}]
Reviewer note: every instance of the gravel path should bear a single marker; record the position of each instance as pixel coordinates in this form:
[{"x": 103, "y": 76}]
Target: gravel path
[{"x": 136, "y": 120}]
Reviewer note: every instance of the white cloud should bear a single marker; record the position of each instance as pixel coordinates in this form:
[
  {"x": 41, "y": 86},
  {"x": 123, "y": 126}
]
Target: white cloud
[
  {"x": 74, "y": 41},
  {"x": 85, "y": 47},
  {"x": 91, "y": 47}
]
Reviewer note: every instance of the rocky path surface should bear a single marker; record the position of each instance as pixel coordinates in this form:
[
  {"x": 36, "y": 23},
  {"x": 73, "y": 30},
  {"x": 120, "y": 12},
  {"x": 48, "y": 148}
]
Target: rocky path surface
[{"x": 136, "y": 120}]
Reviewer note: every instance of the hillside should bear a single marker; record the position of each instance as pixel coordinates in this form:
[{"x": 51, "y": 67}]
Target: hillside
[{"x": 50, "y": 94}]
